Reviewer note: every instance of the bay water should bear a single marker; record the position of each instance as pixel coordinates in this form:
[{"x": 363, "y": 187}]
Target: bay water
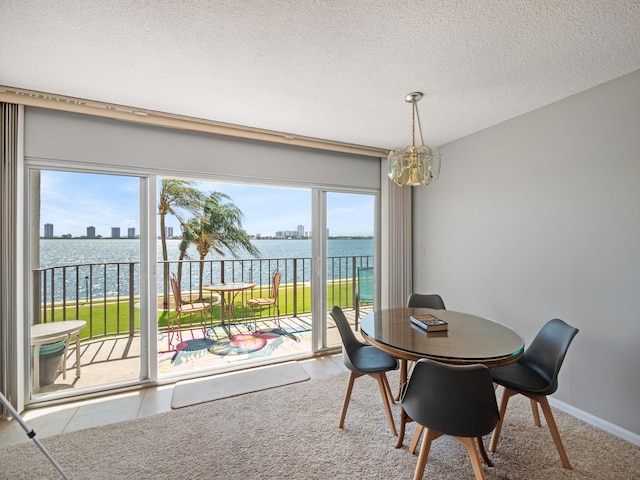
[{"x": 61, "y": 252}]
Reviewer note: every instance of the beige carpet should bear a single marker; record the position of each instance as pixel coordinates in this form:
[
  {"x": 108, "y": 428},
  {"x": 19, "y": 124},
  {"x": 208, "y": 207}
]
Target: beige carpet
[
  {"x": 291, "y": 432},
  {"x": 192, "y": 392}
]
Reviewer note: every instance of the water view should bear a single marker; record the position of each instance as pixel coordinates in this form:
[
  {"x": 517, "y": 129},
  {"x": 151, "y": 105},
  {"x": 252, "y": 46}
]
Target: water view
[
  {"x": 124, "y": 254},
  {"x": 55, "y": 252}
]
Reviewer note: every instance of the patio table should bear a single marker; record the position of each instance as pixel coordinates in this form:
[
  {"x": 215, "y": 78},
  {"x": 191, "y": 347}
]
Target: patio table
[
  {"x": 45, "y": 333},
  {"x": 228, "y": 292}
]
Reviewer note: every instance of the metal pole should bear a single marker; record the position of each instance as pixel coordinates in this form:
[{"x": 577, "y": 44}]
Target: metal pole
[{"x": 31, "y": 434}]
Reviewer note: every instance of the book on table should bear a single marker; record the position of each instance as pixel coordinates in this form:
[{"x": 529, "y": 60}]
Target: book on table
[{"x": 429, "y": 322}]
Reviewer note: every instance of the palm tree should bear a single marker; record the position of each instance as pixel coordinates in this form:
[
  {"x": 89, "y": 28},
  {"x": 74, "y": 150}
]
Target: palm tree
[
  {"x": 219, "y": 228},
  {"x": 175, "y": 196},
  {"x": 188, "y": 238}
]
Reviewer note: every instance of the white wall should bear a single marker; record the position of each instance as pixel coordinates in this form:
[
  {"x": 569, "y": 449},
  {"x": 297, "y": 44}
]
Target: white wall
[{"x": 539, "y": 218}]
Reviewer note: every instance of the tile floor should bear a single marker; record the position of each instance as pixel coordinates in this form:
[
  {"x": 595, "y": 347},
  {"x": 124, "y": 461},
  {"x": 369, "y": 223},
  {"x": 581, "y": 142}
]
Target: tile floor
[{"x": 48, "y": 421}]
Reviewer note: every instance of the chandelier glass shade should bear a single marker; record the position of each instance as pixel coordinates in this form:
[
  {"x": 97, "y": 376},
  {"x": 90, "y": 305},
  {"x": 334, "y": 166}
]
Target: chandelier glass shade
[{"x": 417, "y": 164}]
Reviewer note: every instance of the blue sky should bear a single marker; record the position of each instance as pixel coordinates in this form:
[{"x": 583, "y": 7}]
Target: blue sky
[{"x": 74, "y": 201}]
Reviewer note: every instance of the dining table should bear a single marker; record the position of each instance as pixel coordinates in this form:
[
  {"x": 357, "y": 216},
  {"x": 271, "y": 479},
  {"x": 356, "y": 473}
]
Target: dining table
[{"x": 468, "y": 339}]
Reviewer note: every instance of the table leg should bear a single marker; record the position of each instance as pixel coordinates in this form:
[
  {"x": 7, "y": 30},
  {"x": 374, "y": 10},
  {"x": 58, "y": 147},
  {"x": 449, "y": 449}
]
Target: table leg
[
  {"x": 483, "y": 452},
  {"x": 77, "y": 355},
  {"x": 223, "y": 304},
  {"x": 404, "y": 373},
  {"x": 63, "y": 360},
  {"x": 36, "y": 368},
  {"x": 232, "y": 310}
]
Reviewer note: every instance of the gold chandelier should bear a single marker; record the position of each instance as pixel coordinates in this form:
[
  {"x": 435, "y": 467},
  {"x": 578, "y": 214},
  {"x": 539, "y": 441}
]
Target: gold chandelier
[{"x": 417, "y": 164}]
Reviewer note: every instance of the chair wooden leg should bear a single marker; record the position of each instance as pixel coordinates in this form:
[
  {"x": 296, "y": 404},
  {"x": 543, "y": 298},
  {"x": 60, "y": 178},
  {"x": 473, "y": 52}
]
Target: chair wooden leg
[
  {"x": 387, "y": 389},
  {"x": 424, "y": 452},
  {"x": 381, "y": 379},
  {"x": 470, "y": 445},
  {"x": 506, "y": 394},
  {"x": 534, "y": 411},
  {"x": 347, "y": 397},
  {"x": 416, "y": 438},
  {"x": 553, "y": 428}
]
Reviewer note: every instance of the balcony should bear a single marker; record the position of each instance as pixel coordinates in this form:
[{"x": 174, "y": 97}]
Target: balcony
[{"x": 105, "y": 295}]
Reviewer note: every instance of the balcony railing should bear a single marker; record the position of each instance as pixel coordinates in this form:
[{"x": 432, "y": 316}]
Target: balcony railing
[{"x": 105, "y": 294}]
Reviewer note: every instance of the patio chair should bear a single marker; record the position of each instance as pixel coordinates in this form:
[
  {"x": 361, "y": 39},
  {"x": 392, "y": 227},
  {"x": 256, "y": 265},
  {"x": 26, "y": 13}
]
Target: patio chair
[
  {"x": 183, "y": 308},
  {"x": 364, "y": 290},
  {"x": 271, "y": 300}
]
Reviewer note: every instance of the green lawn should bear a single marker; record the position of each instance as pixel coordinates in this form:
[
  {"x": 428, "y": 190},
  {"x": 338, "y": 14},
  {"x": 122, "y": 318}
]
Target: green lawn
[{"x": 112, "y": 317}]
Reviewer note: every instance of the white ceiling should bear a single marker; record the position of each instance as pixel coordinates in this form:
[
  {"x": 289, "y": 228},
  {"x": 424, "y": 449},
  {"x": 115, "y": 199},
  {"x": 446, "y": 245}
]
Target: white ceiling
[{"x": 330, "y": 69}]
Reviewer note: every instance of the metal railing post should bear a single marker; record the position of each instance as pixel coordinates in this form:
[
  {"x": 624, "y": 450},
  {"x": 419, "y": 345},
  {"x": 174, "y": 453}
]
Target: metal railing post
[
  {"x": 295, "y": 287},
  {"x": 131, "y": 300}
]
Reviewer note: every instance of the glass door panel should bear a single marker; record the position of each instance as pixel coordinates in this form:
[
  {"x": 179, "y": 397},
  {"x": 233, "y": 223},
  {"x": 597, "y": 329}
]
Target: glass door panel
[
  {"x": 225, "y": 243},
  {"x": 85, "y": 266},
  {"x": 350, "y": 247}
]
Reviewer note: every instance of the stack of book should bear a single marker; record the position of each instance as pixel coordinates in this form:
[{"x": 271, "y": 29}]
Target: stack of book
[{"x": 430, "y": 322}]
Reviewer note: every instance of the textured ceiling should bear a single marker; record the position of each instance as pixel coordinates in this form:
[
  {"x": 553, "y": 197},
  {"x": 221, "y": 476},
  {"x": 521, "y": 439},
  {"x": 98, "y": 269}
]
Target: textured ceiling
[{"x": 332, "y": 69}]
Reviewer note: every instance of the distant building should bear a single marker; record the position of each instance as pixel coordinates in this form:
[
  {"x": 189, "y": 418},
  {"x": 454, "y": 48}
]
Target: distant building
[
  {"x": 91, "y": 232},
  {"x": 168, "y": 232},
  {"x": 131, "y": 232},
  {"x": 48, "y": 230},
  {"x": 301, "y": 230},
  {"x": 286, "y": 234},
  {"x": 115, "y": 232}
]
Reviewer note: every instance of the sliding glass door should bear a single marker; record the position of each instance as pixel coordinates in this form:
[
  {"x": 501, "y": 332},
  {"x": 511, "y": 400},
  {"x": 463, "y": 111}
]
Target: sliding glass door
[
  {"x": 288, "y": 258},
  {"x": 349, "y": 244},
  {"x": 243, "y": 251},
  {"x": 88, "y": 288}
]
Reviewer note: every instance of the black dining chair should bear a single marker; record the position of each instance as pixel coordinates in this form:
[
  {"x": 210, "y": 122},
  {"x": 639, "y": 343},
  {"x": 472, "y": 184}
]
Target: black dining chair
[
  {"x": 535, "y": 375},
  {"x": 362, "y": 359},
  {"x": 420, "y": 300},
  {"x": 454, "y": 400}
]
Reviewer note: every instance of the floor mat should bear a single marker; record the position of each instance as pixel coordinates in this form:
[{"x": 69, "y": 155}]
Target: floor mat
[{"x": 192, "y": 392}]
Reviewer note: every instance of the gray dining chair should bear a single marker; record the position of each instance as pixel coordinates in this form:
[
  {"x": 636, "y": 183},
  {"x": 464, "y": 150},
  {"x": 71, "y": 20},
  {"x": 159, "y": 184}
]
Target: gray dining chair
[
  {"x": 362, "y": 359},
  {"x": 535, "y": 375},
  {"x": 422, "y": 300},
  {"x": 454, "y": 400}
]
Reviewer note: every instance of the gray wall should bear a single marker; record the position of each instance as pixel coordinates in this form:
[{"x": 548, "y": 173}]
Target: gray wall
[{"x": 539, "y": 218}]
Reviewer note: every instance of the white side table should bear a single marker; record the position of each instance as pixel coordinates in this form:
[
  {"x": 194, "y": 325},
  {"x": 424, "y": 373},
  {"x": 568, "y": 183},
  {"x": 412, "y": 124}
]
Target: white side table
[{"x": 44, "y": 333}]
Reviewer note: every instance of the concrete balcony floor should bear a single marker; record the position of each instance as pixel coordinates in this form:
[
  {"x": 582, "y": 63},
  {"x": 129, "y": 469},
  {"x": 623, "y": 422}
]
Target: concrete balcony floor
[{"x": 115, "y": 361}]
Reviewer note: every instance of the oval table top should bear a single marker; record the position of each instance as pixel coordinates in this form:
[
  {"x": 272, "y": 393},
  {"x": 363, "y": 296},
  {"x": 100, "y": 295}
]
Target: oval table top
[
  {"x": 45, "y": 331},
  {"x": 469, "y": 338}
]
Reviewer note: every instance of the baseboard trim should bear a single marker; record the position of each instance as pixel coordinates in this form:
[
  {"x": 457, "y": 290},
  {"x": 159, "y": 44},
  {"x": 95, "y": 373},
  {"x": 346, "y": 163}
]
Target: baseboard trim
[{"x": 596, "y": 422}]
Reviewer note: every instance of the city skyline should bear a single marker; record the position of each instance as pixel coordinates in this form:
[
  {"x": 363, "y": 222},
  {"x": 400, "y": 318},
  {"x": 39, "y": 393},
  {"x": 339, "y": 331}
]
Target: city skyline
[{"x": 69, "y": 202}]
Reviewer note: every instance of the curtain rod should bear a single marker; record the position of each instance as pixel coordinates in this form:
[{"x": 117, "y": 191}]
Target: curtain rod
[{"x": 33, "y": 98}]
